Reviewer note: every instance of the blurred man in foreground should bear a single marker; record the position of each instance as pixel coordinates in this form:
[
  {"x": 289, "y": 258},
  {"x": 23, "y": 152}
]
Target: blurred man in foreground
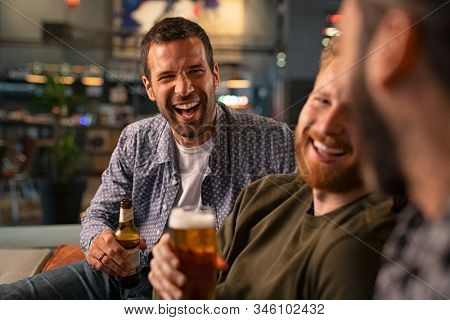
[
  {"x": 397, "y": 52},
  {"x": 313, "y": 235}
]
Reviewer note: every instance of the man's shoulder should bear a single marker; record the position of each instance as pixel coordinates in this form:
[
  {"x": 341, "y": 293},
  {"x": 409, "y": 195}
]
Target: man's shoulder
[
  {"x": 277, "y": 183},
  {"x": 377, "y": 210},
  {"x": 142, "y": 137},
  {"x": 253, "y": 120},
  {"x": 367, "y": 221},
  {"x": 147, "y": 125},
  {"x": 147, "y": 130}
]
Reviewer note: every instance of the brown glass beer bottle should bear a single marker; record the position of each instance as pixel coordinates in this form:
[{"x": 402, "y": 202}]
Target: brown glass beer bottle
[{"x": 128, "y": 236}]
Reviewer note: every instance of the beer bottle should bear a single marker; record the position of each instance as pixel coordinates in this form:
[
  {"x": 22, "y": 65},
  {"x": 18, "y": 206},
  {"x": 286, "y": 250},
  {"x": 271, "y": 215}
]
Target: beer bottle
[{"x": 128, "y": 236}]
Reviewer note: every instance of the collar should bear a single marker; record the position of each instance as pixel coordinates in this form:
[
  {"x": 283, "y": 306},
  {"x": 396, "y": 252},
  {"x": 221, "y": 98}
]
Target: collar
[
  {"x": 220, "y": 158},
  {"x": 165, "y": 149}
]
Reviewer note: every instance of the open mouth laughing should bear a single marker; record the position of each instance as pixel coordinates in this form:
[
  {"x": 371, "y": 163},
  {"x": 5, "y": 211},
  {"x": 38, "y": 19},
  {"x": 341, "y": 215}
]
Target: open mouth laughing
[
  {"x": 187, "y": 110},
  {"x": 328, "y": 153}
]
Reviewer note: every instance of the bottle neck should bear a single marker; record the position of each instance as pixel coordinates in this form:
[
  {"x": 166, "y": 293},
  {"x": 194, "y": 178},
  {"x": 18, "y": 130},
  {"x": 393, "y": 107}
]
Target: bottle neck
[{"x": 126, "y": 216}]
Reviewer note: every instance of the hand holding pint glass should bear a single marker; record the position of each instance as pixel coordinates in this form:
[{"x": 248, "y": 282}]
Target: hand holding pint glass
[
  {"x": 193, "y": 235},
  {"x": 184, "y": 263}
]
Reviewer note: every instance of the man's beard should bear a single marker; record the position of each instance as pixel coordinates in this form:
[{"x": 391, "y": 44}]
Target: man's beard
[
  {"x": 377, "y": 143},
  {"x": 337, "y": 178},
  {"x": 191, "y": 131}
]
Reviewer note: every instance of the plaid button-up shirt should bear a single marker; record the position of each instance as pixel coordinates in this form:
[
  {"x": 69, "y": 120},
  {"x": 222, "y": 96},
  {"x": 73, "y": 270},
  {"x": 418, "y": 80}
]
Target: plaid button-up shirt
[
  {"x": 143, "y": 167},
  {"x": 418, "y": 253}
]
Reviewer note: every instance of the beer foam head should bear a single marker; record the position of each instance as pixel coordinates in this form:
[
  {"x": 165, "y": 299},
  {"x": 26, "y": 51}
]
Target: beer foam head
[{"x": 181, "y": 219}]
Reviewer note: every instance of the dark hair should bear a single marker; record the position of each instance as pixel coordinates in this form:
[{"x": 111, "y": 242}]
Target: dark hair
[
  {"x": 170, "y": 29},
  {"x": 434, "y": 27}
]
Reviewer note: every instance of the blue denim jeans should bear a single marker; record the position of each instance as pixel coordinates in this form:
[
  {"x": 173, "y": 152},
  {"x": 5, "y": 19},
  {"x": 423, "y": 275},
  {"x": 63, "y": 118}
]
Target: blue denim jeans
[{"x": 75, "y": 281}]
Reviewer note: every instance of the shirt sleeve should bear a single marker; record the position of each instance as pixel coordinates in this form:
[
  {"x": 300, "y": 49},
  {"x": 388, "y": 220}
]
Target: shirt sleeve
[
  {"x": 286, "y": 150},
  {"x": 231, "y": 237},
  {"x": 117, "y": 180},
  {"x": 226, "y": 233}
]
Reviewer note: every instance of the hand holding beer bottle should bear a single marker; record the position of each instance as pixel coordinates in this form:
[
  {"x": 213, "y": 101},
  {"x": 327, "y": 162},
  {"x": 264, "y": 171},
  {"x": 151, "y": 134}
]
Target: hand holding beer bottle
[
  {"x": 184, "y": 263},
  {"x": 128, "y": 237},
  {"x": 108, "y": 255}
]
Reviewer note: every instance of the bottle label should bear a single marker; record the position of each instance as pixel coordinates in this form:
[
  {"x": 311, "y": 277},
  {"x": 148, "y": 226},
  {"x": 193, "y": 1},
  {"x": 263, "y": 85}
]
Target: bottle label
[
  {"x": 126, "y": 215},
  {"x": 134, "y": 258}
]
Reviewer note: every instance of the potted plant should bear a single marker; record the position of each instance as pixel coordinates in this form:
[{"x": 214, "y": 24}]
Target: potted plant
[{"x": 61, "y": 185}]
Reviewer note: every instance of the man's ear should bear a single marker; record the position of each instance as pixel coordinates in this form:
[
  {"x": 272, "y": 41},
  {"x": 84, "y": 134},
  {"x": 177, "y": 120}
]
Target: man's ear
[
  {"x": 216, "y": 76},
  {"x": 148, "y": 88},
  {"x": 394, "y": 47}
]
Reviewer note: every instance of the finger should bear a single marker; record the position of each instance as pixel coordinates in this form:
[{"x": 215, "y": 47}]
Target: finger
[
  {"x": 166, "y": 296},
  {"x": 169, "y": 278},
  {"x": 220, "y": 263},
  {"x": 116, "y": 255},
  {"x": 155, "y": 282},
  {"x": 165, "y": 238},
  {"x": 96, "y": 258},
  {"x": 99, "y": 247},
  {"x": 96, "y": 253},
  {"x": 110, "y": 240},
  {"x": 112, "y": 265},
  {"x": 162, "y": 250},
  {"x": 169, "y": 272},
  {"x": 164, "y": 286},
  {"x": 161, "y": 264},
  {"x": 101, "y": 267},
  {"x": 158, "y": 287}
]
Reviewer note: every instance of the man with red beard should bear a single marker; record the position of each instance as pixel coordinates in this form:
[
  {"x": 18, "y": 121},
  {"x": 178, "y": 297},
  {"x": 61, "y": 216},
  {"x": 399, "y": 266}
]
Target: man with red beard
[
  {"x": 312, "y": 235},
  {"x": 396, "y": 53}
]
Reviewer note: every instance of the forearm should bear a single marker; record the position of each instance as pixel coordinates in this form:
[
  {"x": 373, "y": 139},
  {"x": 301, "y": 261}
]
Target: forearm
[{"x": 103, "y": 212}]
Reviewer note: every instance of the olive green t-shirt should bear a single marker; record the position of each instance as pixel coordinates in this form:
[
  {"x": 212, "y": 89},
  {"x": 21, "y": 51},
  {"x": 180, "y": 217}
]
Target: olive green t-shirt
[{"x": 277, "y": 249}]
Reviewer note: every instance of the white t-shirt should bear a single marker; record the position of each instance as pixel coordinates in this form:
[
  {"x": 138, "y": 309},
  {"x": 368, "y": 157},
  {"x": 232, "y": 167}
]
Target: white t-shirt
[{"x": 192, "y": 164}]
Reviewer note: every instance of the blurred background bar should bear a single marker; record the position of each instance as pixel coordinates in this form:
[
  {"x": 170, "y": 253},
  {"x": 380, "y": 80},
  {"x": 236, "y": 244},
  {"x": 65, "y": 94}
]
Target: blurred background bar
[{"x": 70, "y": 81}]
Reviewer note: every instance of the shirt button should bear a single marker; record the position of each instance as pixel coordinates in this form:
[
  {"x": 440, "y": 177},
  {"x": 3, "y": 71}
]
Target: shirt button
[
  {"x": 164, "y": 207},
  {"x": 174, "y": 182}
]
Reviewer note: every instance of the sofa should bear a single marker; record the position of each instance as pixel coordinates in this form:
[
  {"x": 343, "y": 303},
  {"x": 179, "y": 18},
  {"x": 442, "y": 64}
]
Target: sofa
[{"x": 28, "y": 250}]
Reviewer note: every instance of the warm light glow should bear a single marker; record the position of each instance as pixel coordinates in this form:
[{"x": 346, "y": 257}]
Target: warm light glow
[
  {"x": 325, "y": 42},
  {"x": 35, "y": 78},
  {"x": 78, "y": 69},
  {"x": 65, "y": 80},
  {"x": 92, "y": 81},
  {"x": 72, "y": 4},
  {"x": 331, "y": 32},
  {"x": 232, "y": 101},
  {"x": 238, "y": 84},
  {"x": 334, "y": 18}
]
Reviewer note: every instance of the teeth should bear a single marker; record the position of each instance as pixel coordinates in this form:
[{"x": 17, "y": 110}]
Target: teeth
[
  {"x": 320, "y": 146},
  {"x": 186, "y": 106}
]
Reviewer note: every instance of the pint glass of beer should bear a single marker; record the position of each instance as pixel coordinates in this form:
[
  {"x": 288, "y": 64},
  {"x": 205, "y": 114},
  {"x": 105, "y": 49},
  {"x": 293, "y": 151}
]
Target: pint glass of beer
[{"x": 193, "y": 236}]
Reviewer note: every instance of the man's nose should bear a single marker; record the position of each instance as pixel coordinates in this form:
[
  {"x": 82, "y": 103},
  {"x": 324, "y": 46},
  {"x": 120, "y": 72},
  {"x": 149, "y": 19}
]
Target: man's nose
[
  {"x": 331, "y": 122},
  {"x": 183, "y": 86}
]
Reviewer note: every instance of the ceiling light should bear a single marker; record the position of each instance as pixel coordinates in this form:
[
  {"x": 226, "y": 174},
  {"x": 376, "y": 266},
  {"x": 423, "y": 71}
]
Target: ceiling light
[
  {"x": 92, "y": 81},
  {"x": 238, "y": 84},
  {"x": 35, "y": 78}
]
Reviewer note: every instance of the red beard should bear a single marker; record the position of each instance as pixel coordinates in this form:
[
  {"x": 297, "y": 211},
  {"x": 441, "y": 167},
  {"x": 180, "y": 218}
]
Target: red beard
[{"x": 332, "y": 177}]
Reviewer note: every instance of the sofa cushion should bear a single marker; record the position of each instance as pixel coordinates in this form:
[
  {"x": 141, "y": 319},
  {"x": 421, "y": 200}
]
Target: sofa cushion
[{"x": 64, "y": 254}]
